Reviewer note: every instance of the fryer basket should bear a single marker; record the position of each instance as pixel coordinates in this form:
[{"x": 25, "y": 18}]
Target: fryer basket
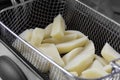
[{"x": 39, "y": 13}]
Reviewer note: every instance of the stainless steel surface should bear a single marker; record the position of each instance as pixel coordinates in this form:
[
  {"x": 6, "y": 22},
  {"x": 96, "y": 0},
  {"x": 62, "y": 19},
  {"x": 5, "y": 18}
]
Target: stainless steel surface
[
  {"x": 4, "y": 51},
  {"x": 39, "y": 13}
]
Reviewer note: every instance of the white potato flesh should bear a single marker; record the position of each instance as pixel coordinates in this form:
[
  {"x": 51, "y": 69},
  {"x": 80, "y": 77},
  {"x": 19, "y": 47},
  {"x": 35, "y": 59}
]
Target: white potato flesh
[
  {"x": 74, "y": 73},
  {"x": 93, "y": 73},
  {"x": 80, "y": 63},
  {"x": 51, "y": 51},
  {"x": 108, "y": 68},
  {"x": 69, "y": 37},
  {"x": 48, "y": 30},
  {"x": 68, "y": 46},
  {"x": 27, "y": 34},
  {"x": 37, "y": 36},
  {"x": 83, "y": 60},
  {"x": 66, "y": 38},
  {"x": 72, "y": 54},
  {"x": 58, "y": 27},
  {"x": 109, "y": 53},
  {"x": 101, "y": 60},
  {"x": 80, "y": 34},
  {"x": 96, "y": 64},
  {"x": 96, "y": 70},
  {"x": 89, "y": 46}
]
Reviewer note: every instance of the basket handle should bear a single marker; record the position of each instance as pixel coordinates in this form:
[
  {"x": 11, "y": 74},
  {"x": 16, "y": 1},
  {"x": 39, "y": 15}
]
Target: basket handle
[{"x": 114, "y": 64}]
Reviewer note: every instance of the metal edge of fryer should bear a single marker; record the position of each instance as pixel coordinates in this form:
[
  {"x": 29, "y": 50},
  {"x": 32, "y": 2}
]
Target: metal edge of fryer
[{"x": 18, "y": 57}]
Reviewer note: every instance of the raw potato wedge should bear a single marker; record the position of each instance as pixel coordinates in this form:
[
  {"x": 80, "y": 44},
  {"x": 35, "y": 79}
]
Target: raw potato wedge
[
  {"x": 48, "y": 30},
  {"x": 108, "y": 68},
  {"x": 74, "y": 73},
  {"x": 96, "y": 70},
  {"x": 51, "y": 40},
  {"x": 58, "y": 27},
  {"x": 97, "y": 64},
  {"x": 109, "y": 53},
  {"x": 101, "y": 60},
  {"x": 80, "y": 63},
  {"x": 66, "y": 38},
  {"x": 70, "y": 37},
  {"x": 89, "y": 46},
  {"x": 26, "y": 35},
  {"x": 37, "y": 36},
  {"x": 68, "y": 46},
  {"x": 51, "y": 51},
  {"x": 83, "y": 60},
  {"x": 72, "y": 54},
  {"x": 93, "y": 73},
  {"x": 80, "y": 34}
]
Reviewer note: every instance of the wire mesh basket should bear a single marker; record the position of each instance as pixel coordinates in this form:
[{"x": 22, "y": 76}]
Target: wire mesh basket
[{"x": 39, "y": 13}]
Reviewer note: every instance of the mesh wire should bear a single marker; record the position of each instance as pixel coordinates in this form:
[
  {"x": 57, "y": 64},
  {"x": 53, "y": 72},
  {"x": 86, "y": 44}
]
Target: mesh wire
[{"x": 39, "y": 13}]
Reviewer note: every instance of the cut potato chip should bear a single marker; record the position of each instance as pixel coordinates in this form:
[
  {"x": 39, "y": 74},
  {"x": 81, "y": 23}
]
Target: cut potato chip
[
  {"x": 83, "y": 60},
  {"x": 68, "y": 46},
  {"x": 58, "y": 27},
  {"x": 72, "y": 54},
  {"x": 51, "y": 51},
  {"x": 109, "y": 53},
  {"x": 37, "y": 36}
]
